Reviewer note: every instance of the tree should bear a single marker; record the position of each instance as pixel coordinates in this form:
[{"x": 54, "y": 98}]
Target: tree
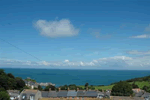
[
  {"x": 146, "y": 88},
  {"x": 10, "y": 75},
  {"x": 20, "y": 83},
  {"x": 25, "y": 87},
  {"x": 2, "y": 71},
  {"x": 122, "y": 89},
  {"x": 100, "y": 90},
  {"x": 40, "y": 88},
  {"x": 86, "y": 85},
  {"x": 134, "y": 85},
  {"x": 72, "y": 87},
  {"x": 4, "y": 95},
  {"x": 2, "y": 89},
  {"x": 4, "y": 82},
  {"x": 48, "y": 87}
]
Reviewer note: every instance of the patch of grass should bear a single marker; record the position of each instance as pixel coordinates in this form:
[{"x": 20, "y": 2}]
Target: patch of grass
[{"x": 140, "y": 84}]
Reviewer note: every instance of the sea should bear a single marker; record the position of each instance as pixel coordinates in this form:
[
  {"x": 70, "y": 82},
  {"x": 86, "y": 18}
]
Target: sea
[{"x": 61, "y": 77}]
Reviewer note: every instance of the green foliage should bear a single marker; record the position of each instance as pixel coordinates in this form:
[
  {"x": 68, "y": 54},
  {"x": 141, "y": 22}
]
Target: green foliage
[
  {"x": 40, "y": 88},
  {"x": 20, "y": 83},
  {"x": 122, "y": 89},
  {"x": 25, "y": 87},
  {"x": 10, "y": 75},
  {"x": 8, "y": 81},
  {"x": 91, "y": 87},
  {"x": 72, "y": 87},
  {"x": 100, "y": 90},
  {"x": 32, "y": 80},
  {"x": 86, "y": 85},
  {"x": 134, "y": 85},
  {"x": 4, "y": 95},
  {"x": 2, "y": 72},
  {"x": 48, "y": 87},
  {"x": 2, "y": 89},
  {"x": 146, "y": 88}
]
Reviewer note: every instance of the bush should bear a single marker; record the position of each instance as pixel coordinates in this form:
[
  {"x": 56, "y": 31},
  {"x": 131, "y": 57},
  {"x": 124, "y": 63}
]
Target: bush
[
  {"x": 4, "y": 95},
  {"x": 122, "y": 89}
]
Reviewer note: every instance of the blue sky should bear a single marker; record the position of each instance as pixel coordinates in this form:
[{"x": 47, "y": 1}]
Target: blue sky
[{"x": 75, "y": 34}]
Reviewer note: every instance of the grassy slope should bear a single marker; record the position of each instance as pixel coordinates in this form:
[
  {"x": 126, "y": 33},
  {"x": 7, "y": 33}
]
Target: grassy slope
[{"x": 140, "y": 84}]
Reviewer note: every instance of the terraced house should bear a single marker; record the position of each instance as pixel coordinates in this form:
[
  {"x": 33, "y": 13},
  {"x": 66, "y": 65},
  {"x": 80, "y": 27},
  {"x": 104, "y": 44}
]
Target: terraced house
[
  {"x": 28, "y": 94},
  {"x": 71, "y": 94}
]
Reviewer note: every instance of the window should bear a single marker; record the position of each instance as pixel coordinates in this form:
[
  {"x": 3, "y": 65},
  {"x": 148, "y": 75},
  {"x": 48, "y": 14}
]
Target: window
[
  {"x": 31, "y": 97},
  {"x": 23, "y": 97}
]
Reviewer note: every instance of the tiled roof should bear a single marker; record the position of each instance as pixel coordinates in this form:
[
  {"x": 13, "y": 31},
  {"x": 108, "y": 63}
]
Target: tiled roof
[
  {"x": 81, "y": 93},
  {"x": 72, "y": 93},
  {"x": 62, "y": 94},
  {"x": 139, "y": 94},
  {"x": 91, "y": 94},
  {"x": 44, "y": 93},
  {"x": 29, "y": 90},
  {"x": 52, "y": 94},
  {"x": 146, "y": 95}
]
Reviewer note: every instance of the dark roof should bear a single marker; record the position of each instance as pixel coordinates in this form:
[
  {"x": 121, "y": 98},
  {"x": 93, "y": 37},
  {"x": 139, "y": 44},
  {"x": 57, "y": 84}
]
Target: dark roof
[
  {"x": 44, "y": 93},
  {"x": 91, "y": 94},
  {"x": 13, "y": 93},
  {"x": 81, "y": 93},
  {"x": 146, "y": 95},
  {"x": 52, "y": 94},
  {"x": 72, "y": 93},
  {"x": 139, "y": 94},
  {"x": 100, "y": 93},
  {"x": 62, "y": 94},
  {"x": 107, "y": 94}
]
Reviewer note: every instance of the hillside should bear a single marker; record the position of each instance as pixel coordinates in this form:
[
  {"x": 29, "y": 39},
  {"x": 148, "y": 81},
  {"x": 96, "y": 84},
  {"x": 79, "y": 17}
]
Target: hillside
[{"x": 142, "y": 81}]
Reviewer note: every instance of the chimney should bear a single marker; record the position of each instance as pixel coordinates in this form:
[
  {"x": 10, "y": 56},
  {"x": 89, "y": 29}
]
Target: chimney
[
  {"x": 86, "y": 88},
  {"x": 68, "y": 88},
  {"x": 102, "y": 90},
  {"x": 59, "y": 89},
  {"x": 49, "y": 89},
  {"x": 97, "y": 90},
  {"x": 77, "y": 89}
]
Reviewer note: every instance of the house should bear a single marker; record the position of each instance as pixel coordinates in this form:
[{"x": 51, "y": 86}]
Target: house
[
  {"x": 137, "y": 90},
  {"x": 146, "y": 96},
  {"x": 139, "y": 94},
  {"x": 91, "y": 94},
  {"x": 31, "y": 84},
  {"x": 100, "y": 95},
  {"x": 62, "y": 93},
  {"x": 81, "y": 94},
  {"x": 44, "y": 94},
  {"x": 47, "y": 94},
  {"x": 14, "y": 94},
  {"x": 28, "y": 94},
  {"x": 72, "y": 94},
  {"x": 107, "y": 94}
]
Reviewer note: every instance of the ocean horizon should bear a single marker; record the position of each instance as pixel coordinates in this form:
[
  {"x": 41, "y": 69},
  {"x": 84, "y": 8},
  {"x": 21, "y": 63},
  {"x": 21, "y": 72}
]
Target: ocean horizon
[{"x": 76, "y": 76}]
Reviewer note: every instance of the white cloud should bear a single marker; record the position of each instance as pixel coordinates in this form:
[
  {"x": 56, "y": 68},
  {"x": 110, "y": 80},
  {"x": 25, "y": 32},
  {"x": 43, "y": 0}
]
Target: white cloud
[
  {"x": 147, "y": 29},
  {"x": 135, "y": 52},
  {"x": 116, "y": 62},
  {"x": 141, "y": 36},
  {"x": 66, "y": 61},
  {"x": 53, "y": 29}
]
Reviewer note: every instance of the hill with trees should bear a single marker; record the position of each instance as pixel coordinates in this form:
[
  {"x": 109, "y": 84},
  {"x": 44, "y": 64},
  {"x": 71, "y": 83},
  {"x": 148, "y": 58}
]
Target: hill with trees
[{"x": 9, "y": 82}]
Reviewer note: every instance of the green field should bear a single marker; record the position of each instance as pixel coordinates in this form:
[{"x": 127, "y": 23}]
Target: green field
[{"x": 140, "y": 84}]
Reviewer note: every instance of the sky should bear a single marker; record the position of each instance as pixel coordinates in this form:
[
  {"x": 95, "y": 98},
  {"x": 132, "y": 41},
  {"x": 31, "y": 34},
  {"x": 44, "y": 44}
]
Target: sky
[{"x": 75, "y": 34}]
